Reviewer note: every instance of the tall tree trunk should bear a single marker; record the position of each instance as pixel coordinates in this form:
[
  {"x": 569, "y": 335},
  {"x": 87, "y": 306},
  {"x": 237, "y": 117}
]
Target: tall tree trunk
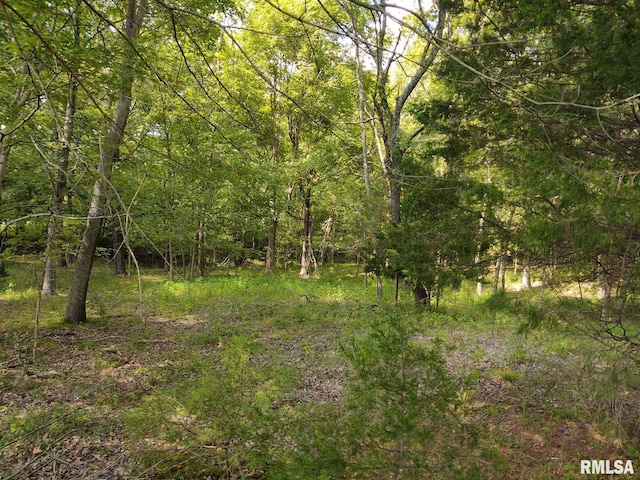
[
  {"x": 200, "y": 260},
  {"x": 477, "y": 261},
  {"x": 389, "y": 112},
  {"x": 378, "y": 286},
  {"x": 270, "y": 259},
  {"x": 307, "y": 252},
  {"x": 169, "y": 260},
  {"x": 272, "y": 245},
  {"x": 327, "y": 229},
  {"x": 55, "y": 255},
  {"x": 76, "y": 305},
  {"x": 363, "y": 125}
]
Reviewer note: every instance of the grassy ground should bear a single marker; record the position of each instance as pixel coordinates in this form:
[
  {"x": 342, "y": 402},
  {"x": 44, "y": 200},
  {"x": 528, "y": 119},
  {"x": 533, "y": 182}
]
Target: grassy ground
[{"x": 239, "y": 375}]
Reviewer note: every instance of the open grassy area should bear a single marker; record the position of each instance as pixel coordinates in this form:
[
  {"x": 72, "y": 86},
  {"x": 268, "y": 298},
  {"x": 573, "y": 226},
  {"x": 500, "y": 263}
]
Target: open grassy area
[{"x": 241, "y": 375}]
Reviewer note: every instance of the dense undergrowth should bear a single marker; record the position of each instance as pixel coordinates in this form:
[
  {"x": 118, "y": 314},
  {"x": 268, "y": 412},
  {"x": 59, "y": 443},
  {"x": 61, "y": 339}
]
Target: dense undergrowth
[{"x": 241, "y": 375}]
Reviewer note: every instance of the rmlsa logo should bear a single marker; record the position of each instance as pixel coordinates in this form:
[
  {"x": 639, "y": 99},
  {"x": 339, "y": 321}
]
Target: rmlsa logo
[{"x": 606, "y": 467}]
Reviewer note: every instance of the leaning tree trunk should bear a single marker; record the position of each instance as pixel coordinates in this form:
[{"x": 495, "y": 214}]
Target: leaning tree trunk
[{"x": 76, "y": 305}]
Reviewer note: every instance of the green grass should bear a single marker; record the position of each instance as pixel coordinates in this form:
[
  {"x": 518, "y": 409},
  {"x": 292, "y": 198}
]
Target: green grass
[{"x": 247, "y": 373}]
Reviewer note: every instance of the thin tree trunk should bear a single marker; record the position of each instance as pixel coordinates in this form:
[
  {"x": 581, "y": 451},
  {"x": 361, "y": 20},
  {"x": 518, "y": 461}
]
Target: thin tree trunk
[
  {"x": 496, "y": 275},
  {"x": 192, "y": 261},
  {"x": 119, "y": 263},
  {"x": 200, "y": 248},
  {"x": 500, "y": 261},
  {"x": 307, "y": 253},
  {"x": 526, "y": 275},
  {"x": 76, "y": 306},
  {"x": 363, "y": 125},
  {"x": 270, "y": 258},
  {"x": 49, "y": 275},
  {"x": 327, "y": 229},
  {"x": 477, "y": 261},
  {"x": 55, "y": 254},
  {"x": 168, "y": 266},
  {"x": 378, "y": 286}
]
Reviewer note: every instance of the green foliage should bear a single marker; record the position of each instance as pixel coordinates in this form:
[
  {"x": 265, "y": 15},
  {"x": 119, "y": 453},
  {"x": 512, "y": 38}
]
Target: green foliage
[
  {"x": 434, "y": 244},
  {"x": 401, "y": 402},
  {"x": 224, "y": 405}
]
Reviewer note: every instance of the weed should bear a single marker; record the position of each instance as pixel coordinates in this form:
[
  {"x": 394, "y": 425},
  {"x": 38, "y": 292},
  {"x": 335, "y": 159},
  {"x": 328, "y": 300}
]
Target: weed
[
  {"x": 507, "y": 375},
  {"x": 225, "y": 408},
  {"x": 401, "y": 402}
]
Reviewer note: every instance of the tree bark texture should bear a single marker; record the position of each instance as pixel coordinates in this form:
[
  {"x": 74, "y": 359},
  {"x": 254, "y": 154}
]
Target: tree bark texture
[{"x": 76, "y": 305}]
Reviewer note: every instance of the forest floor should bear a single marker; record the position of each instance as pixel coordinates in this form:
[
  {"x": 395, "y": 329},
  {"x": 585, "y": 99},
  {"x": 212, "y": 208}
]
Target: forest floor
[{"x": 143, "y": 395}]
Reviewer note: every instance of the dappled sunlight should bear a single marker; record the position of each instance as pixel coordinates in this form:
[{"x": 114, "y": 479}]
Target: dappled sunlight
[{"x": 11, "y": 293}]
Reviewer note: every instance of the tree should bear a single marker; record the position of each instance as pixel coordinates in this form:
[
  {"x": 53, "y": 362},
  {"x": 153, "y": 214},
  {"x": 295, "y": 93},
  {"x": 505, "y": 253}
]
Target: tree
[
  {"x": 54, "y": 253},
  {"x": 566, "y": 82},
  {"x": 306, "y": 104},
  {"x": 401, "y": 61},
  {"x": 76, "y": 306}
]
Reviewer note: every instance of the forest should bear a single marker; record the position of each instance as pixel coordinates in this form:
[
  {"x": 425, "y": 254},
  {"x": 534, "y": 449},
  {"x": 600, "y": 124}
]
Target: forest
[{"x": 319, "y": 239}]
